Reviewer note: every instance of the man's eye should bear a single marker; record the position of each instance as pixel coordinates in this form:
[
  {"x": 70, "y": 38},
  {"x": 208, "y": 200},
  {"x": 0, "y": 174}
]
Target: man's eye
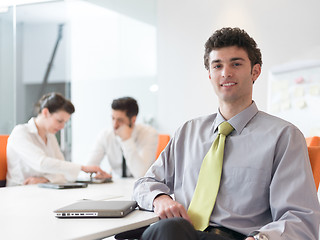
[
  {"x": 236, "y": 64},
  {"x": 217, "y": 66}
]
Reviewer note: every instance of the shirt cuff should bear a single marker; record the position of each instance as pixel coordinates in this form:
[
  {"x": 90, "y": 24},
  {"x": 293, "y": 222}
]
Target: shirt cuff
[
  {"x": 55, "y": 178},
  {"x": 73, "y": 171}
]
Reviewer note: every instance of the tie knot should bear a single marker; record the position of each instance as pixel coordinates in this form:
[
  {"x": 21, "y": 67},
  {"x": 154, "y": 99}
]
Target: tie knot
[{"x": 225, "y": 128}]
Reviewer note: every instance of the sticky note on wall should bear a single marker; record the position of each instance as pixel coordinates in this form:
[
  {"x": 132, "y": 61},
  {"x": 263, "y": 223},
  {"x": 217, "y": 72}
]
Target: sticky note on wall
[{"x": 314, "y": 90}]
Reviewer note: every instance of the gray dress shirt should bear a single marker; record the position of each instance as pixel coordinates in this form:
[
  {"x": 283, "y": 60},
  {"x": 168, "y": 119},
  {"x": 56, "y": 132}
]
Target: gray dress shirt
[{"x": 266, "y": 184}]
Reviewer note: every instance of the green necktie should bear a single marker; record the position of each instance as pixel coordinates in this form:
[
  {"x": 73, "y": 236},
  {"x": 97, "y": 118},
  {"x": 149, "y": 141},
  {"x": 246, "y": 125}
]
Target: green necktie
[{"x": 206, "y": 191}]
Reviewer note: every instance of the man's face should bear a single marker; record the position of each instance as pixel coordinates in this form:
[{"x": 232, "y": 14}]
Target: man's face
[
  {"x": 120, "y": 118},
  {"x": 231, "y": 75}
]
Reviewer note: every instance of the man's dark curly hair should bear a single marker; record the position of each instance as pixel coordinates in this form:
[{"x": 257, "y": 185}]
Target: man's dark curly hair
[
  {"x": 127, "y": 104},
  {"x": 228, "y": 37}
]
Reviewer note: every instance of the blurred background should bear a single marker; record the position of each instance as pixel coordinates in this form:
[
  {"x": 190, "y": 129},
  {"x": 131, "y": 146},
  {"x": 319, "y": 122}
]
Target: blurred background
[{"x": 93, "y": 51}]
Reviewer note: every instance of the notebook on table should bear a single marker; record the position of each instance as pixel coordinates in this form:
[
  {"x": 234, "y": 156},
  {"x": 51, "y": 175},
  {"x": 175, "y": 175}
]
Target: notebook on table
[
  {"x": 96, "y": 209},
  {"x": 63, "y": 185}
]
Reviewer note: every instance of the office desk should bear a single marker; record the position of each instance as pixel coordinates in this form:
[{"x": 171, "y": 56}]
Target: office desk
[{"x": 26, "y": 212}]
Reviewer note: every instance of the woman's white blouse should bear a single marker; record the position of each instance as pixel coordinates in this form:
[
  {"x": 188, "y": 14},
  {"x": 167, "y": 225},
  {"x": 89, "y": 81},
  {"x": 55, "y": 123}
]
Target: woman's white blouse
[{"x": 29, "y": 156}]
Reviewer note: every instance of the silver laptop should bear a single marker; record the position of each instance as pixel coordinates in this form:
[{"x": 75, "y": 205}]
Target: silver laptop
[
  {"x": 95, "y": 180},
  {"x": 96, "y": 209}
]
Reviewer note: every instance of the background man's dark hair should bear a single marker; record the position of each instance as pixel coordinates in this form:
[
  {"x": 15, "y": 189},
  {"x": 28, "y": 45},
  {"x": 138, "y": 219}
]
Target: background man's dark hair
[
  {"x": 54, "y": 102},
  {"x": 127, "y": 104},
  {"x": 228, "y": 37}
]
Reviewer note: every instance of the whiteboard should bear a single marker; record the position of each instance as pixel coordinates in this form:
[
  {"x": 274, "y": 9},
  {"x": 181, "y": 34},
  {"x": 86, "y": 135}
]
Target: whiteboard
[{"x": 294, "y": 95}]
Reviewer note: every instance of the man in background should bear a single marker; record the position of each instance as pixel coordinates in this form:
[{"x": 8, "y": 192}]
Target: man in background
[{"x": 130, "y": 148}]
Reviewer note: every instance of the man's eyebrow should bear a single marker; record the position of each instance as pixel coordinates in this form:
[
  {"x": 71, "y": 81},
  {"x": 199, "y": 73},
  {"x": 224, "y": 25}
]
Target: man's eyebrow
[
  {"x": 215, "y": 61},
  {"x": 236, "y": 59},
  {"x": 231, "y": 60}
]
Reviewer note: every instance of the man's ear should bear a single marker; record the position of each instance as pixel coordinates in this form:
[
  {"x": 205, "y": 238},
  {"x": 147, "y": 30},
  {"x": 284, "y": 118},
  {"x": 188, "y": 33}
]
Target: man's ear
[
  {"x": 256, "y": 71},
  {"x": 133, "y": 120}
]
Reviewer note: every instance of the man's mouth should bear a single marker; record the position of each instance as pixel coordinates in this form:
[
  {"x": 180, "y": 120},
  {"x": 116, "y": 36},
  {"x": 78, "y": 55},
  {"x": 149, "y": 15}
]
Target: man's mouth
[{"x": 227, "y": 84}]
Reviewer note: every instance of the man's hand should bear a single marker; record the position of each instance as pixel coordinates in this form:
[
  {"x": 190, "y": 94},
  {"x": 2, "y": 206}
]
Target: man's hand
[
  {"x": 35, "y": 180},
  {"x": 165, "y": 207},
  {"x": 249, "y": 238},
  {"x": 124, "y": 132},
  {"x": 97, "y": 170}
]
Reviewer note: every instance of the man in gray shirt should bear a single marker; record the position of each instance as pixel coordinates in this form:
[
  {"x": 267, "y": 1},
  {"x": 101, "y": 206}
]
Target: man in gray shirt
[{"x": 266, "y": 189}]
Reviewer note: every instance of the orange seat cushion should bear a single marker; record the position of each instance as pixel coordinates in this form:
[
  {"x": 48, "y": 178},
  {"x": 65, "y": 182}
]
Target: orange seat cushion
[
  {"x": 313, "y": 144},
  {"x": 162, "y": 143},
  {"x": 3, "y": 156}
]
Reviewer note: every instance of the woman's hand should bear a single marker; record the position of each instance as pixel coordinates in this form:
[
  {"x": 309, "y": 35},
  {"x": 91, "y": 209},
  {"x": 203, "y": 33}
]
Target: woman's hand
[
  {"x": 35, "y": 180},
  {"x": 97, "y": 170}
]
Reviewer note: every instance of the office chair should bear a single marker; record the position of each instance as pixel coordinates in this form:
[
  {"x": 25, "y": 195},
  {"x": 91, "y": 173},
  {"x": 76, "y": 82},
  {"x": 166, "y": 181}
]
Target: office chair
[
  {"x": 313, "y": 144},
  {"x": 163, "y": 140},
  {"x": 3, "y": 159}
]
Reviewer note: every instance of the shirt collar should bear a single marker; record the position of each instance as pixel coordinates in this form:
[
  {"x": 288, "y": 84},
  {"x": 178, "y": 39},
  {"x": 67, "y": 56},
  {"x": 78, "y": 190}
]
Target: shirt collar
[
  {"x": 240, "y": 120},
  {"x": 33, "y": 128},
  {"x": 32, "y": 125}
]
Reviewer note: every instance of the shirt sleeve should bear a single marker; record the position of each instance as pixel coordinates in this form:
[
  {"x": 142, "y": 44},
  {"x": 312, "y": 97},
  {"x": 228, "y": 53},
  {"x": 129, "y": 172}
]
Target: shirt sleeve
[
  {"x": 55, "y": 178},
  {"x": 140, "y": 153},
  {"x": 293, "y": 199},
  {"x": 34, "y": 156}
]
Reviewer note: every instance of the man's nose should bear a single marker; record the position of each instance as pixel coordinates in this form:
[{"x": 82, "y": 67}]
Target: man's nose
[
  {"x": 115, "y": 124},
  {"x": 226, "y": 72}
]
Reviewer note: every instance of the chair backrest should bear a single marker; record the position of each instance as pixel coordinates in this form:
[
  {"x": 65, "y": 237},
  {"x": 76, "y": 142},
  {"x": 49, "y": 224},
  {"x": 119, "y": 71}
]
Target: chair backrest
[
  {"x": 3, "y": 159},
  {"x": 162, "y": 143},
  {"x": 313, "y": 144}
]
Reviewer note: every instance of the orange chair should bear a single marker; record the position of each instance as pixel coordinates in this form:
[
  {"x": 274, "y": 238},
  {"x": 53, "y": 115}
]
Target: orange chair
[
  {"x": 162, "y": 143},
  {"x": 3, "y": 159},
  {"x": 313, "y": 144}
]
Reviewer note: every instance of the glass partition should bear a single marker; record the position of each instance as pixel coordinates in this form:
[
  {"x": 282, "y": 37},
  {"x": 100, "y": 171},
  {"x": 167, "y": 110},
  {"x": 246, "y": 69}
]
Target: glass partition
[
  {"x": 7, "y": 70},
  {"x": 42, "y": 63},
  {"x": 90, "y": 51}
]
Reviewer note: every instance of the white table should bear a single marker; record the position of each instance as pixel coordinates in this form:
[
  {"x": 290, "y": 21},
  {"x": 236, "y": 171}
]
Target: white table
[{"x": 26, "y": 212}]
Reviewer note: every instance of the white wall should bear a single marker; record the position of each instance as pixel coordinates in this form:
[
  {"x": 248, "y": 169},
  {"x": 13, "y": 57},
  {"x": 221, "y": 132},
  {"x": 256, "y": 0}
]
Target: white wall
[
  {"x": 285, "y": 30},
  {"x": 112, "y": 55}
]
